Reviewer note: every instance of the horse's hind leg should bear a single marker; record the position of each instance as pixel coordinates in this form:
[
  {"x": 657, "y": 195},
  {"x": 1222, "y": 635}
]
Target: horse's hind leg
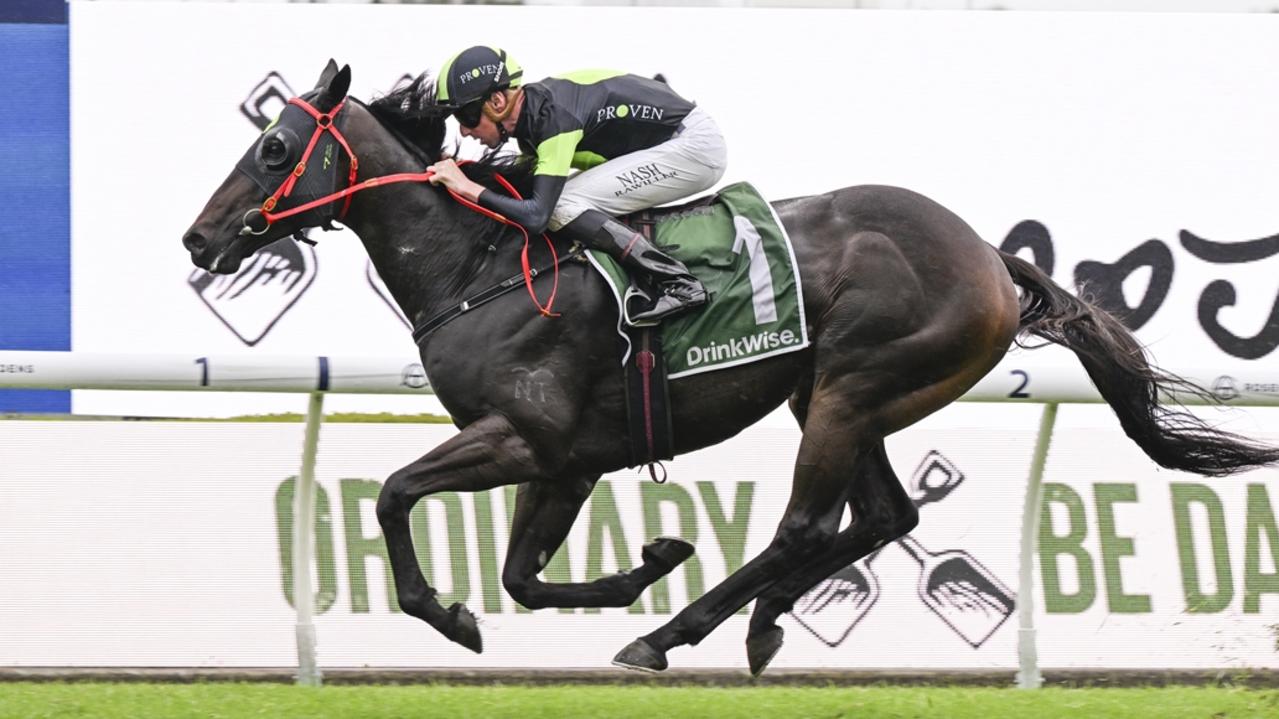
[
  {"x": 882, "y": 512},
  {"x": 486, "y": 454},
  {"x": 544, "y": 514},
  {"x": 836, "y": 433}
]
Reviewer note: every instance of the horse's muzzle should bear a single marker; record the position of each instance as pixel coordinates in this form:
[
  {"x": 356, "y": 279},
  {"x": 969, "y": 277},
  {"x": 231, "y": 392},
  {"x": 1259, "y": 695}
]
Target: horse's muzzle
[
  {"x": 195, "y": 243},
  {"x": 198, "y": 245}
]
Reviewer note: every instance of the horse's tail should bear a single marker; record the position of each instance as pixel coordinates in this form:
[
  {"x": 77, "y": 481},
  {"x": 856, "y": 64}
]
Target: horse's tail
[{"x": 1117, "y": 364}]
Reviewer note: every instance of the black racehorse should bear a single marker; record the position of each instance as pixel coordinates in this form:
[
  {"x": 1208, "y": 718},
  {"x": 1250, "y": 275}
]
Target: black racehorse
[{"x": 907, "y": 308}]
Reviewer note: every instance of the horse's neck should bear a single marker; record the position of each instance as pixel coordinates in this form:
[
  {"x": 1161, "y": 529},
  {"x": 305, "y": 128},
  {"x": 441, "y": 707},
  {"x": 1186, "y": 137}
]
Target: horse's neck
[
  {"x": 426, "y": 247},
  {"x": 420, "y": 246}
]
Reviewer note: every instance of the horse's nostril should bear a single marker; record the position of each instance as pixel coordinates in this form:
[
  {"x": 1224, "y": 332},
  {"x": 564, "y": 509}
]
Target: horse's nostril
[{"x": 194, "y": 242}]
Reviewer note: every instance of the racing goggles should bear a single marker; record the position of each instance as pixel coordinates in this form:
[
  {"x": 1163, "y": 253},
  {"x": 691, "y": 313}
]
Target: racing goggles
[{"x": 469, "y": 115}]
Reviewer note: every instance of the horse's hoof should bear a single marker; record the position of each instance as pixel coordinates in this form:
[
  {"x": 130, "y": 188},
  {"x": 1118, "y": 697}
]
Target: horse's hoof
[
  {"x": 463, "y": 628},
  {"x": 666, "y": 553},
  {"x": 641, "y": 656},
  {"x": 761, "y": 648}
]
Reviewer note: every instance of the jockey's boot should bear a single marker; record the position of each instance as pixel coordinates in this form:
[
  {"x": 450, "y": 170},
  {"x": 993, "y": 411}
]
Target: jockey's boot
[{"x": 681, "y": 291}]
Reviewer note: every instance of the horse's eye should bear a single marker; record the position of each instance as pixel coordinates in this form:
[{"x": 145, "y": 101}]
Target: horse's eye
[{"x": 275, "y": 153}]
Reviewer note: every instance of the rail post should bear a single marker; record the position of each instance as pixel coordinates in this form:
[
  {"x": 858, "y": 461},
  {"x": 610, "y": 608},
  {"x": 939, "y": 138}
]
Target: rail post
[
  {"x": 303, "y": 543},
  {"x": 1028, "y": 676}
]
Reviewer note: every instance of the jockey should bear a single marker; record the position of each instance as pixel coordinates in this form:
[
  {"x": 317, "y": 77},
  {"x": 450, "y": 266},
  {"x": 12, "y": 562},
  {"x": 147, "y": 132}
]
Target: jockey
[{"x": 635, "y": 142}]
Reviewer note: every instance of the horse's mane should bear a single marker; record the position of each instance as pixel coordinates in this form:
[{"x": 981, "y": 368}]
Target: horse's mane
[{"x": 413, "y": 115}]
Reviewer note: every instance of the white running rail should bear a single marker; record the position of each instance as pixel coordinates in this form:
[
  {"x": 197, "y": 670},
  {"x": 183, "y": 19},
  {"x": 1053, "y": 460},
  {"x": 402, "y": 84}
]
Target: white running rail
[{"x": 1009, "y": 382}]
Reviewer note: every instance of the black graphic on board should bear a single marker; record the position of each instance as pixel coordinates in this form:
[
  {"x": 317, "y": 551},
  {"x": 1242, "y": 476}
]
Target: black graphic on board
[{"x": 1104, "y": 282}]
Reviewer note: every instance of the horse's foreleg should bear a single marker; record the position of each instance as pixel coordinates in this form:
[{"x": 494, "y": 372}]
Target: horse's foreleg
[
  {"x": 834, "y": 436},
  {"x": 544, "y": 514},
  {"x": 486, "y": 454},
  {"x": 882, "y": 512}
]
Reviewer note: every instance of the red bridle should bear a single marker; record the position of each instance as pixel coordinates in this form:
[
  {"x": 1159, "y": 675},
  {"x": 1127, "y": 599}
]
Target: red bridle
[{"x": 325, "y": 122}]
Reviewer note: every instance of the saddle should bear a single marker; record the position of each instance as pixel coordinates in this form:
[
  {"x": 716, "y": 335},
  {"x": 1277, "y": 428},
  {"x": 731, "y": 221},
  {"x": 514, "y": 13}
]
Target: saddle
[
  {"x": 645, "y": 221},
  {"x": 737, "y": 247}
]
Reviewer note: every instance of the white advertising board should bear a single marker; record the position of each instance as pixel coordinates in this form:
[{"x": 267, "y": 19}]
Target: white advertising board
[
  {"x": 168, "y": 544},
  {"x": 1128, "y": 150}
]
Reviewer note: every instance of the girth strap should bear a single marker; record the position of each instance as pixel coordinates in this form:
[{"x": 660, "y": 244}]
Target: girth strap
[
  {"x": 648, "y": 407},
  {"x": 422, "y": 331}
]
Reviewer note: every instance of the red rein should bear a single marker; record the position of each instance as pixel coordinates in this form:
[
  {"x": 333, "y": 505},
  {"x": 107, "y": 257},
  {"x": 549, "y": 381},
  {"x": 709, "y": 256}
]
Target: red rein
[
  {"x": 323, "y": 123},
  {"x": 528, "y": 272}
]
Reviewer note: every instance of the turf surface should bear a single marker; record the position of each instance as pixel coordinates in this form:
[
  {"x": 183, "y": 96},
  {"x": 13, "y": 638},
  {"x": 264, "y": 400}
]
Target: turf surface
[{"x": 233, "y": 701}]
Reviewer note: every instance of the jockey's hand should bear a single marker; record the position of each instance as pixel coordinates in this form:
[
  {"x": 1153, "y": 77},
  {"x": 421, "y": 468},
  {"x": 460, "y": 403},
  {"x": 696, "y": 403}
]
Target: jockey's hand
[{"x": 447, "y": 173}]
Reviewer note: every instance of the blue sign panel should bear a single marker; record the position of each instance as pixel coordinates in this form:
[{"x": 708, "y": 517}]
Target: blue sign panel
[{"x": 35, "y": 152}]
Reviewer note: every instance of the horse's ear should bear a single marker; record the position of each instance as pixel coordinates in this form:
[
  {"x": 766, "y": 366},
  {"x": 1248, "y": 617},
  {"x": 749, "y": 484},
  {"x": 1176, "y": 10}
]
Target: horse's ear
[
  {"x": 341, "y": 84},
  {"x": 326, "y": 76},
  {"x": 335, "y": 86}
]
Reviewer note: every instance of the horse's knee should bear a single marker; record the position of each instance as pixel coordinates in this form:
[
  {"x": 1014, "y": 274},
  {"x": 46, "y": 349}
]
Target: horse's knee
[
  {"x": 524, "y": 589},
  {"x": 392, "y": 501}
]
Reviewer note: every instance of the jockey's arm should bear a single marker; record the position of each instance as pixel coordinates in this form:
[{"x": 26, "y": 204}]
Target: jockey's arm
[
  {"x": 532, "y": 212},
  {"x": 554, "y": 161}
]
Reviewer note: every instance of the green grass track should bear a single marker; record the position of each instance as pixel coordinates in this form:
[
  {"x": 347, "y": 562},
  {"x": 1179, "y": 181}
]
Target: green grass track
[{"x": 233, "y": 701}]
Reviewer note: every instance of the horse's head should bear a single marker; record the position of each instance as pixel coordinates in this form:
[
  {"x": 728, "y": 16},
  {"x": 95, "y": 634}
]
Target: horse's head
[{"x": 272, "y": 192}]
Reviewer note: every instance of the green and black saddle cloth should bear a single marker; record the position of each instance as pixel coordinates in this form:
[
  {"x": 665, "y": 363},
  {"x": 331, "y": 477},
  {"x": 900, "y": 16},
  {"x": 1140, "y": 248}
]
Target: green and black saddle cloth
[{"x": 735, "y": 244}]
